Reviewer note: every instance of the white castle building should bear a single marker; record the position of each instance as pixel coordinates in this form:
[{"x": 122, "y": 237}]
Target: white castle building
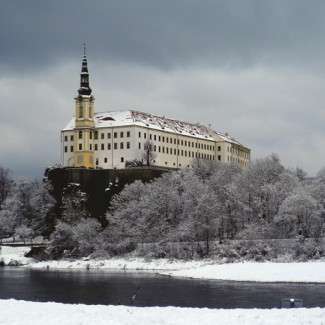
[{"x": 120, "y": 139}]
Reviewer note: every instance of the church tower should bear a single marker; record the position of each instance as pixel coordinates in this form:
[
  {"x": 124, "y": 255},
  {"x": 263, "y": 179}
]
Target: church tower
[{"x": 84, "y": 120}]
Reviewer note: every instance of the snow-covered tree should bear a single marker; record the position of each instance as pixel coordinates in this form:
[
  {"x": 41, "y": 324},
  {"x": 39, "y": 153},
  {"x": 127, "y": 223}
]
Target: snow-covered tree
[
  {"x": 299, "y": 214},
  {"x": 24, "y": 233},
  {"x": 74, "y": 204}
]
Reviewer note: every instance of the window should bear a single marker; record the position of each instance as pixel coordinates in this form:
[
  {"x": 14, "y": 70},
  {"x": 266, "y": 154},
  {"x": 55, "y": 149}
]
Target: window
[
  {"x": 181, "y": 142},
  {"x": 139, "y": 134},
  {"x": 115, "y": 145},
  {"x": 150, "y": 136},
  {"x": 219, "y": 157},
  {"x": 121, "y": 145},
  {"x": 102, "y": 136},
  {"x": 174, "y": 141},
  {"x": 71, "y": 137},
  {"x": 108, "y": 135},
  {"x": 139, "y": 145},
  {"x": 96, "y": 135},
  {"x": 155, "y": 137},
  {"x": 163, "y": 149},
  {"x": 115, "y": 135},
  {"x": 71, "y": 148},
  {"x": 219, "y": 148},
  {"x": 128, "y": 145},
  {"x": 154, "y": 148},
  {"x": 167, "y": 139},
  {"x": 102, "y": 147},
  {"x": 65, "y": 148},
  {"x": 90, "y": 147},
  {"x": 145, "y": 135},
  {"x": 163, "y": 139},
  {"x": 81, "y": 113},
  {"x": 128, "y": 134},
  {"x": 90, "y": 135},
  {"x": 159, "y": 138},
  {"x": 121, "y": 134},
  {"x": 159, "y": 149},
  {"x": 108, "y": 146},
  {"x": 97, "y": 162},
  {"x": 167, "y": 149},
  {"x": 185, "y": 143},
  {"x": 96, "y": 146},
  {"x": 80, "y": 146},
  {"x": 105, "y": 160},
  {"x": 122, "y": 159},
  {"x": 65, "y": 138},
  {"x": 80, "y": 134}
]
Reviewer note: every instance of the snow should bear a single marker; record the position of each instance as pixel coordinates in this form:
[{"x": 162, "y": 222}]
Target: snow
[
  {"x": 204, "y": 269},
  {"x": 133, "y": 117},
  {"x": 8, "y": 254},
  {"x": 15, "y": 312},
  {"x": 264, "y": 272}
]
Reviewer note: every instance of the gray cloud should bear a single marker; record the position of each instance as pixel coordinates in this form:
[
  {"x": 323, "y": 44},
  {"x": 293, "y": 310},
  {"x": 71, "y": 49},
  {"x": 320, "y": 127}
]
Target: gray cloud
[
  {"x": 253, "y": 68},
  {"x": 166, "y": 33}
]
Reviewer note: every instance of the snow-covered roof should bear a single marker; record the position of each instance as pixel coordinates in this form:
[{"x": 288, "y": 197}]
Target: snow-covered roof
[{"x": 132, "y": 117}]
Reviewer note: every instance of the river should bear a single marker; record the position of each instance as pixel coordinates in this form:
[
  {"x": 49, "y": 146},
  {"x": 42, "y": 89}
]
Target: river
[{"x": 147, "y": 289}]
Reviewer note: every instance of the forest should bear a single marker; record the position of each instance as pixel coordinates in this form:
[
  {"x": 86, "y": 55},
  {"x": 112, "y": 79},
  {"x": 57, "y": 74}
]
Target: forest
[{"x": 210, "y": 210}]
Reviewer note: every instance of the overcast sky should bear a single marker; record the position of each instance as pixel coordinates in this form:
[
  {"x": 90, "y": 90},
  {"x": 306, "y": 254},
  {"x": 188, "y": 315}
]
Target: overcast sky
[{"x": 252, "y": 68}]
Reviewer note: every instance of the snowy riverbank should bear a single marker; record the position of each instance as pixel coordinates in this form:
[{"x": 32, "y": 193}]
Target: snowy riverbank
[
  {"x": 35, "y": 313},
  {"x": 14, "y": 256},
  {"x": 205, "y": 269},
  {"x": 313, "y": 271}
]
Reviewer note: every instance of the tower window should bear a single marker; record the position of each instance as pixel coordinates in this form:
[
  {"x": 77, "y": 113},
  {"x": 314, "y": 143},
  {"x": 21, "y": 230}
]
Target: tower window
[
  {"x": 219, "y": 157},
  {"x": 81, "y": 112},
  {"x": 65, "y": 149},
  {"x": 128, "y": 134},
  {"x": 155, "y": 137},
  {"x": 71, "y": 137},
  {"x": 90, "y": 135},
  {"x": 80, "y": 146},
  {"x": 145, "y": 135},
  {"x": 80, "y": 134},
  {"x": 90, "y": 147},
  {"x": 219, "y": 148},
  {"x": 139, "y": 134},
  {"x": 96, "y": 135},
  {"x": 65, "y": 138},
  {"x": 139, "y": 145}
]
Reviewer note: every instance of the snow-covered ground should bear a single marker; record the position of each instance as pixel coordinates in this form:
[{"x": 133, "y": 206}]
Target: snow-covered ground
[
  {"x": 15, "y": 312},
  {"x": 313, "y": 271},
  {"x": 14, "y": 254}
]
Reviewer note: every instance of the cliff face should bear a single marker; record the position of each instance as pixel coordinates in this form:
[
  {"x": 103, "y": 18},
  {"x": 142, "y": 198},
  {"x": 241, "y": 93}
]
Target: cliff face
[{"x": 99, "y": 184}]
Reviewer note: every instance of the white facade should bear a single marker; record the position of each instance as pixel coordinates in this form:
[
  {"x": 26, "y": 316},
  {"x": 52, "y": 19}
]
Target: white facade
[{"x": 120, "y": 136}]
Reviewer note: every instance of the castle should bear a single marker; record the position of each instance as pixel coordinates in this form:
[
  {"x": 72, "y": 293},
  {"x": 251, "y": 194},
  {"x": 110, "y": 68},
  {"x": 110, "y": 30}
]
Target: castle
[{"x": 118, "y": 139}]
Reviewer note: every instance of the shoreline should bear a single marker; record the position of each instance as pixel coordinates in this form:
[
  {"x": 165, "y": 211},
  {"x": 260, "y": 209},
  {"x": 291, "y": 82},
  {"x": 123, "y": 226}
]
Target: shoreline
[{"x": 268, "y": 272}]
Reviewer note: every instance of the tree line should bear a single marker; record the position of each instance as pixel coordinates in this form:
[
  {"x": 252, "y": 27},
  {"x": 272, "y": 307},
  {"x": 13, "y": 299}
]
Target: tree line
[{"x": 207, "y": 203}]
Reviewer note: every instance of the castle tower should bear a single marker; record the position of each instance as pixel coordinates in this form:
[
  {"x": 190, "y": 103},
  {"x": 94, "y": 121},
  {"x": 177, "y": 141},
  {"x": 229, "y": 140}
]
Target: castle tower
[{"x": 84, "y": 120}]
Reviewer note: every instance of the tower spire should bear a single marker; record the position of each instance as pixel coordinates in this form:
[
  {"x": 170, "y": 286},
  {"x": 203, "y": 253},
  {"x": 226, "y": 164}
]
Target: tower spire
[{"x": 84, "y": 76}]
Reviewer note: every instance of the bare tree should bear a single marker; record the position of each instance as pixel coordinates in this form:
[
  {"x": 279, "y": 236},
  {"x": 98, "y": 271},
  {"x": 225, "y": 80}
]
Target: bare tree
[
  {"x": 149, "y": 154},
  {"x": 5, "y": 184}
]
